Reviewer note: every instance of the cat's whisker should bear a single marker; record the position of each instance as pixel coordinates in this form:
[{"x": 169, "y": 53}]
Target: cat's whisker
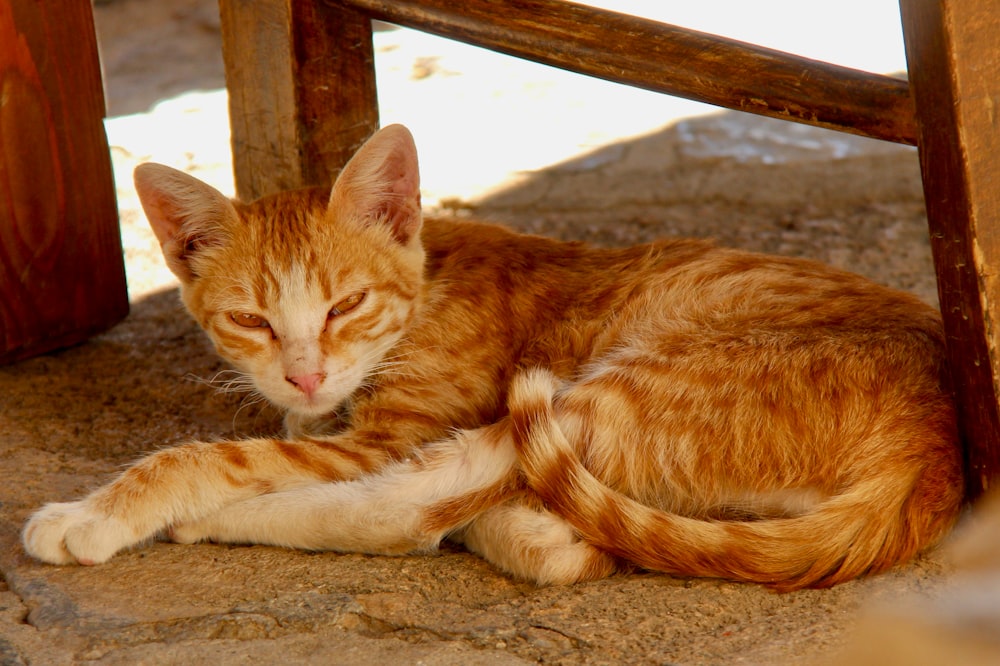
[
  {"x": 233, "y": 382},
  {"x": 227, "y": 381},
  {"x": 393, "y": 364},
  {"x": 401, "y": 358},
  {"x": 249, "y": 401},
  {"x": 238, "y": 385}
]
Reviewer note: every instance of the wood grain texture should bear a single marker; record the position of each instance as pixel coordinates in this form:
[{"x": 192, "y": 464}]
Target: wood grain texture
[
  {"x": 302, "y": 94},
  {"x": 955, "y": 65},
  {"x": 62, "y": 275},
  {"x": 667, "y": 59}
]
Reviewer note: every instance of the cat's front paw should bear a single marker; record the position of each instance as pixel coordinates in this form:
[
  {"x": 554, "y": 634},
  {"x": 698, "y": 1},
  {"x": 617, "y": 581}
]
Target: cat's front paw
[{"x": 70, "y": 532}]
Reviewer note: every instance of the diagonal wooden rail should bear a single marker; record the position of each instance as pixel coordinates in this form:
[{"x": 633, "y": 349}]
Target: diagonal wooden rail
[
  {"x": 667, "y": 59},
  {"x": 300, "y": 112}
]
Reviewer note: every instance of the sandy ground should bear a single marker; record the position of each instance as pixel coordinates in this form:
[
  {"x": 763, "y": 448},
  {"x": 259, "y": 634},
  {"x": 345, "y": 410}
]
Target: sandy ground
[{"x": 535, "y": 148}]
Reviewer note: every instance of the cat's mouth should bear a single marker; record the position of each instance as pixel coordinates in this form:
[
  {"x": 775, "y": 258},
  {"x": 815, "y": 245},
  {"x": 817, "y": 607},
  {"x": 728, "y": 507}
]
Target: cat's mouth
[{"x": 319, "y": 403}]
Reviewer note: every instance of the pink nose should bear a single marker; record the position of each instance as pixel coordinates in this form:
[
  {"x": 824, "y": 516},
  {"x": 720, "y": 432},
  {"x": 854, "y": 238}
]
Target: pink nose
[{"x": 307, "y": 383}]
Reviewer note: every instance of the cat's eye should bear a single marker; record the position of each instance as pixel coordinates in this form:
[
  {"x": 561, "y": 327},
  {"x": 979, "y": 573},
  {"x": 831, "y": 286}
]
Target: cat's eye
[
  {"x": 249, "y": 320},
  {"x": 346, "y": 305}
]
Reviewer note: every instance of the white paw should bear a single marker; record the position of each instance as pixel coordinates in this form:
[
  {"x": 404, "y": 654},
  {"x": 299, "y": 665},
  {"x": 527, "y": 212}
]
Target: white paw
[{"x": 72, "y": 532}]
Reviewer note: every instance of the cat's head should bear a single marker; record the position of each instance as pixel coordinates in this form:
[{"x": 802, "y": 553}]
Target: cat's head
[{"x": 304, "y": 291}]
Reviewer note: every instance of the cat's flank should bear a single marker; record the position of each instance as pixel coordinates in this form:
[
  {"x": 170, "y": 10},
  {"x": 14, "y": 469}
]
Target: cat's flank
[{"x": 564, "y": 411}]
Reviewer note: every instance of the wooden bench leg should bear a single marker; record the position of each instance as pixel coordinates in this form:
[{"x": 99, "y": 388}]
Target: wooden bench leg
[
  {"x": 302, "y": 97},
  {"x": 954, "y": 67},
  {"x": 62, "y": 277}
]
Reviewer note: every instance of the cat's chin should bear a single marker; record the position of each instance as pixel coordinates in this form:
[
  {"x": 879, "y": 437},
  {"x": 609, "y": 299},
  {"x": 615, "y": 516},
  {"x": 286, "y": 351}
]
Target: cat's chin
[
  {"x": 312, "y": 407},
  {"x": 310, "y": 410}
]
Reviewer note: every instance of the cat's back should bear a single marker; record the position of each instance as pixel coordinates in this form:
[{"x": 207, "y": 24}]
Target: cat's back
[
  {"x": 688, "y": 278},
  {"x": 470, "y": 247}
]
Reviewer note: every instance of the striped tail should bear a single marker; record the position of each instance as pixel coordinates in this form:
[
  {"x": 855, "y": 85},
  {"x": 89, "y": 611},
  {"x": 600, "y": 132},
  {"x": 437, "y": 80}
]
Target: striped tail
[{"x": 870, "y": 527}]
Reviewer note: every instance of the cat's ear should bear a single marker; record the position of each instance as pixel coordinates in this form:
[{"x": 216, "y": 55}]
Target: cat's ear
[
  {"x": 381, "y": 184},
  {"x": 186, "y": 215}
]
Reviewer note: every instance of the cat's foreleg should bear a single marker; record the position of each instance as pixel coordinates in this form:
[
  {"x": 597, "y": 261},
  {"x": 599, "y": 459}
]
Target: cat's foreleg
[
  {"x": 408, "y": 507},
  {"x": 184, "y": 484}
]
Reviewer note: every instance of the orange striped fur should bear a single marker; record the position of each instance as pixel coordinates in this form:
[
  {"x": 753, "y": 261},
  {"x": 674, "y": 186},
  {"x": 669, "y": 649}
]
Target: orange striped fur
[{"x": 564, "y": 411}]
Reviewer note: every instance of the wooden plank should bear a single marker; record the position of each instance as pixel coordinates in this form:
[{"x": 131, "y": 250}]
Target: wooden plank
[
  {"x": 62, "y": 275},
  {"x": 955, "y": 66},
  {"x": 668, "y": 59},
  {"x": 301, "y": 91}
]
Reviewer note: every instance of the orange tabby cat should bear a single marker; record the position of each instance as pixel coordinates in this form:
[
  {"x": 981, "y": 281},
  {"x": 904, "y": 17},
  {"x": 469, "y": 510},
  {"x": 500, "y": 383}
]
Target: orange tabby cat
[{"x": 562, "y": 410}]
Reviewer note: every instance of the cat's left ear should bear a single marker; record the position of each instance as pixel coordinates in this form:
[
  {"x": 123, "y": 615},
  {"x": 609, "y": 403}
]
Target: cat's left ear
[{"x": 381, "y": 184}]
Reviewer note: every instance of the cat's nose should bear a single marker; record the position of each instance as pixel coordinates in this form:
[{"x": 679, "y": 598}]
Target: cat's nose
[{"x": 307, "y": 383}]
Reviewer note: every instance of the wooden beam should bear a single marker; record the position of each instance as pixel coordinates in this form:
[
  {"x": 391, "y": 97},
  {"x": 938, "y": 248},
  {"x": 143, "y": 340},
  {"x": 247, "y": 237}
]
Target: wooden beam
[
  {"x": 954, "y": 66},
  {"x": 62, "y": 276},
  {"x": 667, "y": 59},
  {"x": 301, "y": 86}
]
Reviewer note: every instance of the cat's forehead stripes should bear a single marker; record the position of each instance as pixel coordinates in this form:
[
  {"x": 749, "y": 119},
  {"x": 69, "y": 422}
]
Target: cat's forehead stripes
[
  {"x": 279, "y": 231},
  {"x": 272, "y": 283},
  {"x": 263, "y": 284},
  {"x": 283, "y": 237},
  {"x": 300, "y": 298}
]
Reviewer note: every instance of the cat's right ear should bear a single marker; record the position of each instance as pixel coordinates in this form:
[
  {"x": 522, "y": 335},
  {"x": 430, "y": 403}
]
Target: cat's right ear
[
  {"x": 186, "y": 215},
  {"x": 381, "y": 185}
]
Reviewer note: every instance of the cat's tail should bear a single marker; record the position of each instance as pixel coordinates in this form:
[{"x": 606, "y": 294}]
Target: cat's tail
[{"x": 868, "y": 528}]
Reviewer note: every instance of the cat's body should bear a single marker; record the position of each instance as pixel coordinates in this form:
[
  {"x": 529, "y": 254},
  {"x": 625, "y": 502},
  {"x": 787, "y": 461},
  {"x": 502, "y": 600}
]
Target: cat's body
[{"x": 561, "y": 409}]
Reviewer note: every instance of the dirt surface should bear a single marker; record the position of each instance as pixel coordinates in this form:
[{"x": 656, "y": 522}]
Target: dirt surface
[{"x": 69, "y": 420}]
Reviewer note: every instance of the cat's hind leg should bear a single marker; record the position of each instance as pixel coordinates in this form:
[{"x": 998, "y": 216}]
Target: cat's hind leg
[{"x": 536, "y": 545}]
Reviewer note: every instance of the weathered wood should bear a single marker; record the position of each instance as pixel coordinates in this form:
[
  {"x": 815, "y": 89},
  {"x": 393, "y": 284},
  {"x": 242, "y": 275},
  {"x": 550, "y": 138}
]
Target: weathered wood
[
  {"x": 954, "y": 66},
  {"x": 62, "y": 275},
  {"x": 667, "y": 59},
  {"x": 301, "y": 91}
]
